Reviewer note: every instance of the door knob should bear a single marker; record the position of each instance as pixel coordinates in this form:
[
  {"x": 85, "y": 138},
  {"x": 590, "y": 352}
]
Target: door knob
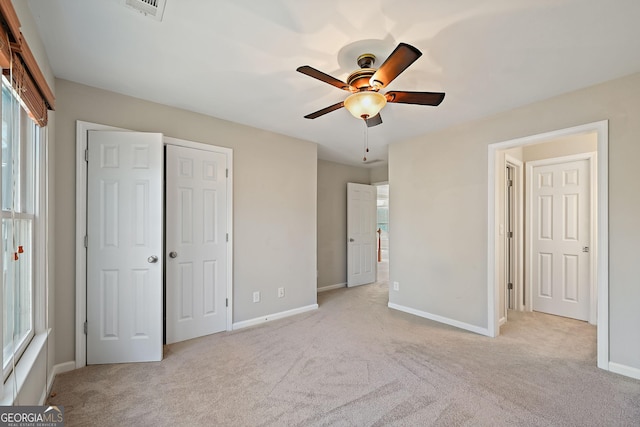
[
  {"x": 585, "y": 249},
  {"x": 352, "y": 239},
  {"x": 173, "y": 254},
  {"x": 152, "y": 259}
]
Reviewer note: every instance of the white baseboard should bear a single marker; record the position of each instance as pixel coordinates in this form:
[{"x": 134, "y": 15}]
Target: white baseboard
[
  {"x": 627, "y": 371},
  {"x": 57, "y": 369},
  {"x": 441, "y": 319},
  {"x": 331, "y": 287},
  {"x": 275, "y": 316}
]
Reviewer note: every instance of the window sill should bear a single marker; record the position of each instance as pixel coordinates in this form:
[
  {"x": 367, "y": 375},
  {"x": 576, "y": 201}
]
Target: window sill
[{"x": 23, "y": 369}]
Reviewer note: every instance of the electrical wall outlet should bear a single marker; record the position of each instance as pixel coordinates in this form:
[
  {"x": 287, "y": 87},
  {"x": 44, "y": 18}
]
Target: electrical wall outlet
[
  {"x": 280, "y": 292},
  {"x": 256, "y": 296},
  {"x": 396, "y": 286}
]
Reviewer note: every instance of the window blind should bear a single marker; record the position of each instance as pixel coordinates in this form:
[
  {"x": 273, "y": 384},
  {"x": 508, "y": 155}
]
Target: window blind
[{"x": 17, "y": 60}]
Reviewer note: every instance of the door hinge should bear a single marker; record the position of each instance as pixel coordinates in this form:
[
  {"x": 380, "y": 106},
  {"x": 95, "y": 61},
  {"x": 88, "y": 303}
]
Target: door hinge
[
  {"x": 226, "y": 302},
  {"x": 510, "y": 234},
  {"x": 226, "y": 173},
  {"x": 86, "y": 327},
  {"x": 86, "y": 155},
  {"x": 509, "y": 286},
  {"x": 227, "y": 237},
  {"x": 86, "y": 241},
  {"x": 510, "y": 183}
]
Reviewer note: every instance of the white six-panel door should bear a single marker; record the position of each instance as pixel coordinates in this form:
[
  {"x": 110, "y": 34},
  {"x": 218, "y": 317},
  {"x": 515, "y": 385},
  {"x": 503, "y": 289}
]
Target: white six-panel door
[
  {"x": 561, "y": 238},
  {"x": 361, "y": 234},
  {"x": 196, "y": 243},
  {"x": 124, "y": 247}
]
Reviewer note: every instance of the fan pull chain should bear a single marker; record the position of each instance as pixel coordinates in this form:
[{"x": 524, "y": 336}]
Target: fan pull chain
[{"x": 366, "y": 139}]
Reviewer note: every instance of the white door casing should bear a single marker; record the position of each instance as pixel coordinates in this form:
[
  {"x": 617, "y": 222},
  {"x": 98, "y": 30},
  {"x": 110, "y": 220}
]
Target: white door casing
[
  {"x": 196, "y": 244},
  {"x": 513, "y": 250},
  {"x": 560, "y": 230},
  {"x": 124, "y": 250},
  {"x": 361, "y": 234}
]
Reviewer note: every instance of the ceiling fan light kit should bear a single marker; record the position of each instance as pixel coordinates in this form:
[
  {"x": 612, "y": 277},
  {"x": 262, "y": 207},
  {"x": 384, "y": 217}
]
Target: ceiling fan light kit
[{"x": 363, "y": 105}]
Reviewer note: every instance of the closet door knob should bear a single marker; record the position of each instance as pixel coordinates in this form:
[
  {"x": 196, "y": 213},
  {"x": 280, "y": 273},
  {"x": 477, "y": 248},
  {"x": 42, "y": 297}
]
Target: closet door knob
[{"x": 173, "y": 254}]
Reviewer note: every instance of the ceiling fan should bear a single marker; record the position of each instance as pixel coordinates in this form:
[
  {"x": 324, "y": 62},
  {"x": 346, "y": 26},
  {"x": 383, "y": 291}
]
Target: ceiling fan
[{"x": 365, "y": 101}]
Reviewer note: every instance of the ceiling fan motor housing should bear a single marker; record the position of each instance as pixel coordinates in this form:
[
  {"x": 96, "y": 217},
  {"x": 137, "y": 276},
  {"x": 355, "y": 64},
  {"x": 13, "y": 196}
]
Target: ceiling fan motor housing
[{"x": 360, "y": 78}]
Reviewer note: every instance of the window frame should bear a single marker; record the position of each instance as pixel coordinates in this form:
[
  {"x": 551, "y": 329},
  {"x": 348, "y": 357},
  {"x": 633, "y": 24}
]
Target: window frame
[{"x": 32, "y": 138}]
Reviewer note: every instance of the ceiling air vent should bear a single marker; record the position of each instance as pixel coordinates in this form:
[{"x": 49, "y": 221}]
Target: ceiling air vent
[{"x": 151, "y": 8}]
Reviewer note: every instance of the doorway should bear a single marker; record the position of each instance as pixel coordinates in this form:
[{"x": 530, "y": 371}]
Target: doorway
[
  {"x": 382, "y": 229},
  {"x": 496, "y": 164}
]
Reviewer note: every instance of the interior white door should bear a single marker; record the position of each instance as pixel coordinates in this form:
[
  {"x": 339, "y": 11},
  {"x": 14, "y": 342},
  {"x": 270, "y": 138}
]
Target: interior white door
[
  {"x": 196, "y": 262},
  {"x": 361, "y": 234},
  {"x": 124, "y": 247},
  {"x": 561, "y": 236}
]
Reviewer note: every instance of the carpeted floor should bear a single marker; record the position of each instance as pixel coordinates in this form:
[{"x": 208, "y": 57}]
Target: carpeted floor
[{"x": 355, "y": 362}]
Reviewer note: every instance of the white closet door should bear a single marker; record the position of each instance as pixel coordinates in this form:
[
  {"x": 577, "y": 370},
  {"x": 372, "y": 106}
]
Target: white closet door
[
  {"x": 124, "y": 251},
  {"x": 196, "y": 248}
]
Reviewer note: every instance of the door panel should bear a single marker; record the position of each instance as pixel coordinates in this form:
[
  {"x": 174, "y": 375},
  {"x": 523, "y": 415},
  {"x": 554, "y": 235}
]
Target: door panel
[
  {"x": 196, "y": 234},
  {"x": 124, "y": 229},
  {"x": 561, "y": 270},
  {"x": 361, "y": 234}
]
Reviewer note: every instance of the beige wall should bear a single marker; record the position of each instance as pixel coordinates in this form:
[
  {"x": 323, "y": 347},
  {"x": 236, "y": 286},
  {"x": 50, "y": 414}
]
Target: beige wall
[
  {"x": 574, "y": 144},
  {"x": 332, "y": 219},
  {"x": 275, "y": 185},
  {"x": 439, "y": 208},
  {"x": 379, "y": 174}
]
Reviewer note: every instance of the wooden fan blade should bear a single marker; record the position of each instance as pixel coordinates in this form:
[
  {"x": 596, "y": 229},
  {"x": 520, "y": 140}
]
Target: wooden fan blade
[
  {"x": 420, "y": 98},
  {"x": 402, "y": 56},
  {"x": 374, "y": 121},
  {"x": 317, "y": 74},
  {"x": 324, "y": 111}
]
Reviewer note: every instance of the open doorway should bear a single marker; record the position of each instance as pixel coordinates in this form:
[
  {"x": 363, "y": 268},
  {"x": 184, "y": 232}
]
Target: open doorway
[
  {"x": 382, "y": 230},
  {"x": 535, "y": 151}
]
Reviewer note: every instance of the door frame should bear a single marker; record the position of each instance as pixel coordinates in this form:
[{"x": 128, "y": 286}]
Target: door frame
[
  {"x": 82, "y": 129},
  {"x": 601, "y": 129},
  {"x": 593, "y": 254},
  {"x": 518, "y": 238},
  {"x": 374, "y": 259}
]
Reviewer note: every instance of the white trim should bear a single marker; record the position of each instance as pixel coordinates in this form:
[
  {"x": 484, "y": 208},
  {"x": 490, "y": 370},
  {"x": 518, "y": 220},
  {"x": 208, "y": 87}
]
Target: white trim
[
  {"x": 60, "y": 368},
  {"x": 625, "y": 370},
  {"x": 602, "y": 130},
  {"x": 274, "y": 316},
  {"x": 519, "y": 230},
  {"x": 593, "y": 185},
  {"x": 24, "y": 368},
  {"x": 228, "y": 152},
  {"x": 82, "y": 129},
  {"x": 441, "y": 319},
  {"x": 331, "y": 287}
]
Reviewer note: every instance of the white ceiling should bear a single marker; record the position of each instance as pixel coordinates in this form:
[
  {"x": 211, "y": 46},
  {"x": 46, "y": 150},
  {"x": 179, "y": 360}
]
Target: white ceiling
[{"x": 236, "y": 59}]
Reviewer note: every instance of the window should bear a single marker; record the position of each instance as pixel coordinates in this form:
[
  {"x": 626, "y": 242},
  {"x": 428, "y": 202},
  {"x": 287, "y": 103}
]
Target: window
[{"x": 20, "y": 153}]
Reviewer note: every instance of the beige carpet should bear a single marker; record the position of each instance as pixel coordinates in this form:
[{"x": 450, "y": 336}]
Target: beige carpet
[{"x": 354, "y": 362}]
